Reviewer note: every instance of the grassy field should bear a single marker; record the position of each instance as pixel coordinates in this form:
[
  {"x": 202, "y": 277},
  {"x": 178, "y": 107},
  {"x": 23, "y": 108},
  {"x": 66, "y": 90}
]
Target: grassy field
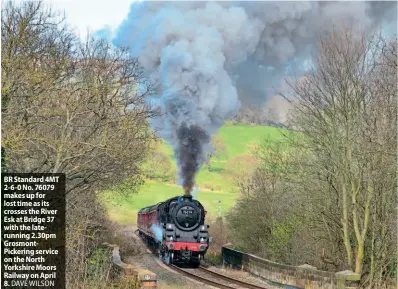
[
  {"x": 216, "y": 184},
  {"x": 240, "y": 140},
  {"x": 124, "y": 210}
]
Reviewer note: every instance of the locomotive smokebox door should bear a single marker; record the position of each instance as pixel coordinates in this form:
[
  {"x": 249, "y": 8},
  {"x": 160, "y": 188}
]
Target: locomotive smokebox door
[{"x": 184, "y": 233}]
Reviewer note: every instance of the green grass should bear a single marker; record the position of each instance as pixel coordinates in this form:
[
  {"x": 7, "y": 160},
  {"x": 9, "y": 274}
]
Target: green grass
[
  {"x": 124, "y": 209},
  {"x": 214, "y": 185},
  {"x": 239, "y": 140}
]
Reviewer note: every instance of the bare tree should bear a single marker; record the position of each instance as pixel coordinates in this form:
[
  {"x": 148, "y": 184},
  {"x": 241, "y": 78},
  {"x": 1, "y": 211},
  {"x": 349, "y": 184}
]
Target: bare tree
[
  {"x": 160, "y": 166},
  {"x": 241, "y": 167},
  {"x": 329, "y": 197},
  {"x": 74, "y": 108},
  {"x": 86, "y": 119},
  {"x": 218, "y": 149},
  {"x": 35, "y": 45},
  {"x": 261, "y": 222},
  {"x": 348, "y": 120}
]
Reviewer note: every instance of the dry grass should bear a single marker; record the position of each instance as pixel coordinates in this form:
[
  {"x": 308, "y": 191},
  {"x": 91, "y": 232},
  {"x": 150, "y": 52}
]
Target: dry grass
[{"x": 123, "y": 236}]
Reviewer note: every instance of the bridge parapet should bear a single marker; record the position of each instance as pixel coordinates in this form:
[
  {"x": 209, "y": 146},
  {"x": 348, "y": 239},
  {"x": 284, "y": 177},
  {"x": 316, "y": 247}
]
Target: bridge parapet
[
  {"x": 145, "y": 278},
  {"x": 301, "y": 277}
]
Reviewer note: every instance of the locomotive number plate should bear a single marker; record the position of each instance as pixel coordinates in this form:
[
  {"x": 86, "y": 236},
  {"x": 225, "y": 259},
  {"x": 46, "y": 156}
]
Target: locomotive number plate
[{"x": 187, "y": 212}]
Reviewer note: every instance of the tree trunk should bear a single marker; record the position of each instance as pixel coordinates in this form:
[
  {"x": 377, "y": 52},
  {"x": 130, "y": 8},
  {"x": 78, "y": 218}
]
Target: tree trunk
[{"x": 346, "y": 234}]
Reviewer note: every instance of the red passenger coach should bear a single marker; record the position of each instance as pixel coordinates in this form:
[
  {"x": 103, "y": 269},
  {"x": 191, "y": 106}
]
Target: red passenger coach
[{"x": 177, "y": 229}]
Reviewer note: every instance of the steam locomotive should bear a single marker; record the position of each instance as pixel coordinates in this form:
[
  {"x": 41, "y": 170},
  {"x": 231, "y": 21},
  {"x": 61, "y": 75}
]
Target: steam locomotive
[{"x": 177, "y": 229}]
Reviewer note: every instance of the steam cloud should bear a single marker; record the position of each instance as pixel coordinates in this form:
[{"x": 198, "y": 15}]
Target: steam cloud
[
  {"x": 195, "y": 193},
  {"x": 211, "y": 57},
  {"x": 158, "y": 231}
]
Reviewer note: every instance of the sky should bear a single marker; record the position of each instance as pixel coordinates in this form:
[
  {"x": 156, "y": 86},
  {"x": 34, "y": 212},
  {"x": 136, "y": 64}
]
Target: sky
[
  {"x": 107, "y": 14},
  {"x": 81, "y": 16}
]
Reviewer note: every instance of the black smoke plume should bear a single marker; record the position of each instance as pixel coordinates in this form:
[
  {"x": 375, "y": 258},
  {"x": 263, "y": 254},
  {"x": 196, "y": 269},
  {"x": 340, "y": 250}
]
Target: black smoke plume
[{"x": 191, "y": 140}]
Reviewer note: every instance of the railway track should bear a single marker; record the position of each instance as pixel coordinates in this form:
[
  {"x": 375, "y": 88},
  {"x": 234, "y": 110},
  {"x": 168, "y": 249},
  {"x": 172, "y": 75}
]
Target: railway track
[
  {"x": 217, "y": 280},
  {"x": 213, "y": 278}
]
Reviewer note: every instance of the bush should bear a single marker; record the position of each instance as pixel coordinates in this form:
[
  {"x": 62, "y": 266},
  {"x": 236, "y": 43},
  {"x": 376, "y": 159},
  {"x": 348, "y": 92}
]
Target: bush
[{"x": 159, "y": 167}]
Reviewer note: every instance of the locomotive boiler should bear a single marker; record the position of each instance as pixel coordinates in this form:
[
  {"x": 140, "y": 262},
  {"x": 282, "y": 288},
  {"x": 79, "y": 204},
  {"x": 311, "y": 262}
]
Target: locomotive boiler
[{"x": 177, "y": 229}]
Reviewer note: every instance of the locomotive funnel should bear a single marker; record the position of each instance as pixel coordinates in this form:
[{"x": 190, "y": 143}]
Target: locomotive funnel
[{"x": 187, "y": 191}]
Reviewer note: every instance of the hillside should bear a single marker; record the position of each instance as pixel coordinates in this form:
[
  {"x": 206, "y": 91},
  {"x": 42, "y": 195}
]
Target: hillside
[{"x": 215, "y": 182}]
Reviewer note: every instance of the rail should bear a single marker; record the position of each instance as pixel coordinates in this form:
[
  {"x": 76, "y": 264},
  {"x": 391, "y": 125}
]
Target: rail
[
  {"x": 227, "y": 278},
  {"x": 231, "y": 283}
]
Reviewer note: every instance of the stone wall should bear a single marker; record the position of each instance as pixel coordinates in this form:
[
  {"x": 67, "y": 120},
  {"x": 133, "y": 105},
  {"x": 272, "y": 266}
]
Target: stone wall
[
  {"x": 302, "y": 277},
  {"x": 146, "y": 278}
]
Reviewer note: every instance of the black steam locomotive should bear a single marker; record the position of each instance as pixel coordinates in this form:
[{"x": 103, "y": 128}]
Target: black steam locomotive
[{"x": 176, "y": 227}]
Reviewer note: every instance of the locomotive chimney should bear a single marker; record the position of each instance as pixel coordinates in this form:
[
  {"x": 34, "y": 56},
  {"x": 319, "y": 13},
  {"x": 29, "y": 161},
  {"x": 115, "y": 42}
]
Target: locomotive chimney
[
  {"x": 187, "y": 191},
  {"x": 187, "y": 197}
]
